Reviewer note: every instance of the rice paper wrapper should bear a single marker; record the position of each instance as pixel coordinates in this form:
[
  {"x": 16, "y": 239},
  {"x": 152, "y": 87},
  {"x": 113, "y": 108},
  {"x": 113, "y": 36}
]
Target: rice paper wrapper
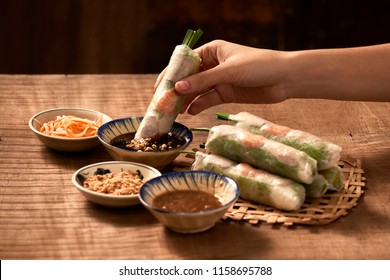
[
  {"x": 166, "y": 102},
  {"x": 318, "y": 187},
  {"x": 326, "y": 153},
  {"x": 334, "y": 177},
  {"x": 242, "y": 146}
]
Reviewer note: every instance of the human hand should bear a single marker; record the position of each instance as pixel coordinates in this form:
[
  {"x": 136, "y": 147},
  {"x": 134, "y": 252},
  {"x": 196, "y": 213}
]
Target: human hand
[{"x": 233, "y": 73}]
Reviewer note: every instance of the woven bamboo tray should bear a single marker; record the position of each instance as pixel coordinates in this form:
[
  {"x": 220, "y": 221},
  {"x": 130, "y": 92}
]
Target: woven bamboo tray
[{"x": 318, "y": 211}]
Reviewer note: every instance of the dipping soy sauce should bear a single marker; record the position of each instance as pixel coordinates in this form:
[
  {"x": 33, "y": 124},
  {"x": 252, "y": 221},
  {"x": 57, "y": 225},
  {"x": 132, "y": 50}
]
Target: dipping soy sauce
[{"x": 186, "y": 201}]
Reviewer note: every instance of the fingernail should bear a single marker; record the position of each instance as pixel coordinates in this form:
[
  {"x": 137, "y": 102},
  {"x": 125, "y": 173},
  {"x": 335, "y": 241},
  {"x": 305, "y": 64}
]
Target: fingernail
[{"x": 183, "y": 86}]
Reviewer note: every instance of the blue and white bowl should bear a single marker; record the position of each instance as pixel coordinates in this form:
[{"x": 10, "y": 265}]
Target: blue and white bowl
[
  {"x": 224, "y": 188},
  {"x": 157, "y": 159}
]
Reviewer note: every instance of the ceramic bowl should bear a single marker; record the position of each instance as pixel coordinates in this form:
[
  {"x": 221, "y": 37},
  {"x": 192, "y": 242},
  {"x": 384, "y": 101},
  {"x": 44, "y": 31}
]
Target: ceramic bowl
[
  {"x": 112, "y": 200},
  {"x": 157, "y": 159},
  {"x": 62, "y": 143},
  {"x": 224, "y": 188}
]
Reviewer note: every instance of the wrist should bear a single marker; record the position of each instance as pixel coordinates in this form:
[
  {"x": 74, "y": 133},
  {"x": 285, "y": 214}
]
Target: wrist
[
  {"x": 342, "y": 74},
  {"x": 307, "y": 74}
]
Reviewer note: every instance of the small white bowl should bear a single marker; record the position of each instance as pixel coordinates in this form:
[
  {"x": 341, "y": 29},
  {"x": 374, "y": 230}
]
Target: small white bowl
[
  {"x": 221, "y": 186},
  {"x": 157, "y": 159},
  {"x": 112, "y": 200},
  {"x": 62, "y": 143}
]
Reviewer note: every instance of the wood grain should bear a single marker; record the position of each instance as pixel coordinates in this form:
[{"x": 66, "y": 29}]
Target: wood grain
[{"x": 42, "y": 216}]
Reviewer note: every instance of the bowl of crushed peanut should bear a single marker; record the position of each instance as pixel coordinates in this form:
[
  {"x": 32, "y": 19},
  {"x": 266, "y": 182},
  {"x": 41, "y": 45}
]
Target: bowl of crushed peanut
[{"x": 113, "y": 183}]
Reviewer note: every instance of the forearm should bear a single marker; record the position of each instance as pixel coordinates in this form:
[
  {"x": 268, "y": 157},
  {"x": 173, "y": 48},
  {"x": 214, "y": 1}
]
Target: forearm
[{"x": 345, "y": 74}]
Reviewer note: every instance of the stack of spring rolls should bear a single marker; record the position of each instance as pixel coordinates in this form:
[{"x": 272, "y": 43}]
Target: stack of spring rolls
[{"x": 273, "y": 165}]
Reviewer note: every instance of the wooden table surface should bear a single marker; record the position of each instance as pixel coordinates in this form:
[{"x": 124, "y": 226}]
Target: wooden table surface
[{"x": 42, "y": 215}]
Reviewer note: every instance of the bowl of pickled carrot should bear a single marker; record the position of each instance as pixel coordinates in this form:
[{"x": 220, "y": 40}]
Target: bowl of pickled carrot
[{"x": 68, "y": 129}]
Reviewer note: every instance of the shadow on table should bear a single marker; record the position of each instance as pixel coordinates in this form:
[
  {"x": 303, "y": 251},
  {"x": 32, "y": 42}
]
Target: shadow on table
[
  {"x": 226, "y": 240},
  {"x": 74, "y": 161},
  {"x": 132, "y": 216}
]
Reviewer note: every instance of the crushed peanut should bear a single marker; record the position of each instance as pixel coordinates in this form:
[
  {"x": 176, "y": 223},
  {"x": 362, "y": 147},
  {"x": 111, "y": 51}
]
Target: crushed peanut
[
  {"x": 148, "y": 145},
  {"x": 122, "y": 183}
]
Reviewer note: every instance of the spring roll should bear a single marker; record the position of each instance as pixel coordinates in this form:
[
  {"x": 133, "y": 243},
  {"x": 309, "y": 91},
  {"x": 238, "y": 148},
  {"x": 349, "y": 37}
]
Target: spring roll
[
  {"x": 326, "y": 153},
  {"x": 328, "y": 179},
  {"x": 334, "y": 176},
  {"x": 166, "y": 102},
  {"x": 255, "y": 184},
  {"x": 318, "y": 187},
  {"x": 242, "y": 146}
]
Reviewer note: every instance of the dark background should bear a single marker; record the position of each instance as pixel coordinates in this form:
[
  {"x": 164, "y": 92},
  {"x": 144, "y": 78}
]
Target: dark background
[{"x": 138, "y": 36}]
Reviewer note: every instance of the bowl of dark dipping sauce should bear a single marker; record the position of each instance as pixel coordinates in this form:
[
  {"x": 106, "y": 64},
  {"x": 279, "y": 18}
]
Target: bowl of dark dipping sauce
[
  {"x": 189, "y": 201},
  {"x": 117, "y": 136}
]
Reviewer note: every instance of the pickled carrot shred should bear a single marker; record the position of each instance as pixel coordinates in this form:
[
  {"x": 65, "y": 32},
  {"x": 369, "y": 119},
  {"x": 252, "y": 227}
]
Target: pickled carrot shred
[{"x": 69, "y": 127}]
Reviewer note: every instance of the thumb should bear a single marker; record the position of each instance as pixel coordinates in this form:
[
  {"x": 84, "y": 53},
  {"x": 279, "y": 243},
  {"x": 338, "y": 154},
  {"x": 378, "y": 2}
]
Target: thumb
[{"x": 202, "y": 81}]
